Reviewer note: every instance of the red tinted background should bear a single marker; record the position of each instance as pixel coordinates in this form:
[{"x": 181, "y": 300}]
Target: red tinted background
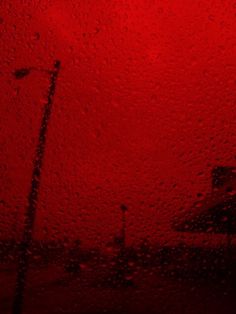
[{"x": 145, "y": 107}]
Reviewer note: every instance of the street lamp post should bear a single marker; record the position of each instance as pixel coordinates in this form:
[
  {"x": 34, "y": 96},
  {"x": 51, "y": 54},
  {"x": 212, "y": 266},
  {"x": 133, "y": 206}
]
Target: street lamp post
[
  {"x": 30, "y": 214},
  {"x": 124, "y": 209}
]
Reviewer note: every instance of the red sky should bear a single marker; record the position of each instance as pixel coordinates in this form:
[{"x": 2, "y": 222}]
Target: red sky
[{"x": 144, "y": 108}]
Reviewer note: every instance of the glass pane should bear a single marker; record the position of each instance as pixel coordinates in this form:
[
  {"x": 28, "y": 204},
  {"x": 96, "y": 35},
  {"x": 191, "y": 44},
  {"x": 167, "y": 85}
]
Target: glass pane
[{"x": 118, "y": 170}]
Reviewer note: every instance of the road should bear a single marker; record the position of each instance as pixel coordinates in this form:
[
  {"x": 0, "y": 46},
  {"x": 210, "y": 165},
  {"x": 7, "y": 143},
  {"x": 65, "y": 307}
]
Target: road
[{"x": 50, "y": 290}]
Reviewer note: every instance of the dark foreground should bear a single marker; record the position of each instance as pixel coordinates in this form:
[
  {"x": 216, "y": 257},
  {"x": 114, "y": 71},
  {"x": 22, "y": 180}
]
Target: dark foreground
[{"x": 93, "y": 290}]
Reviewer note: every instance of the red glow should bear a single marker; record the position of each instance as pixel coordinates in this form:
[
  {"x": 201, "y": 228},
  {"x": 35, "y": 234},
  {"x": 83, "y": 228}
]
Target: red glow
[{"x": 145, "y": 107}]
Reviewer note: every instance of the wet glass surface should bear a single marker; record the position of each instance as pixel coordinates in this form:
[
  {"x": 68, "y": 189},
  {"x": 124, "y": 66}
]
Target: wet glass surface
[{"x": 118, "y": 170}]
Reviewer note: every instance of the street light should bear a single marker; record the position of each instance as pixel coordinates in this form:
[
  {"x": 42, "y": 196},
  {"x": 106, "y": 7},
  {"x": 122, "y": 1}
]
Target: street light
[
  {"x": 30, "y": 214},
  {"x": 124, "y": 209}
]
